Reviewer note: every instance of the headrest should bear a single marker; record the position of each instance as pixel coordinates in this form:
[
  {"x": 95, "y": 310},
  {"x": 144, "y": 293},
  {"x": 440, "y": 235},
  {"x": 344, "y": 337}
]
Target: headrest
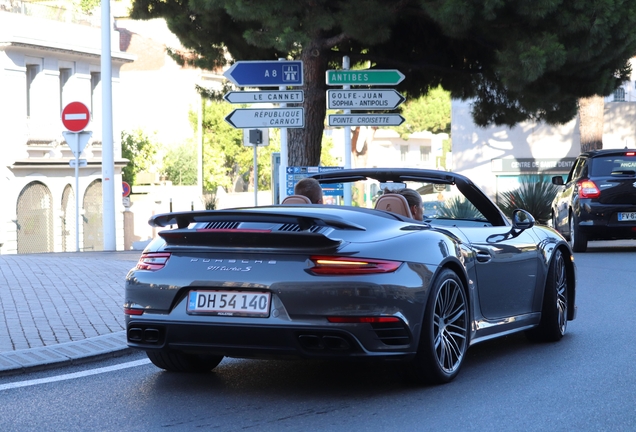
[
  {"x": 394, "y": 203},
  {"x": 296, "y": 199}
]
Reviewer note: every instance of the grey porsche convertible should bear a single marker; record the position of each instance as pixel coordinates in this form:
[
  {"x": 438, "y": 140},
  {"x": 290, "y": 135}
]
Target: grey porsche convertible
[{"x": 301, "y": 280}]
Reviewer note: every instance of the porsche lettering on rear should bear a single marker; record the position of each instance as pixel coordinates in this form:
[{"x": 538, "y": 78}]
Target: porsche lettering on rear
[
  {"x": 220, "y": 262},
  {"x": 230, "y": 269}
]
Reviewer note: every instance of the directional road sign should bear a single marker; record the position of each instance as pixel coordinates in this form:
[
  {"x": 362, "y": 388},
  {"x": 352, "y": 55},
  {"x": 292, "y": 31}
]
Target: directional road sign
[
  {"x": 365, "y": 77},
  {"x": 372, "y": 99},
  {"x": 265, "y": 73},
  {"x": 281, "y": 96},
  {"x": 75, "y": 116},
  {"x": 365, "y": 119},
  {"x": 267, "y": 118}
]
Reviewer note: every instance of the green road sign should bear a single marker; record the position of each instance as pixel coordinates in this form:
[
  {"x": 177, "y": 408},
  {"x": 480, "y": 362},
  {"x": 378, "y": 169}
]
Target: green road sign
[{"x": 364, "y": 77}]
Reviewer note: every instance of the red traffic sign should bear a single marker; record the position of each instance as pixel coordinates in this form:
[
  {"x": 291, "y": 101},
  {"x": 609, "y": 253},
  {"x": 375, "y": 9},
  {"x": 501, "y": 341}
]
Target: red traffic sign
[
  {"x": 76, "y": 116},
  {"x": 125, "y": 189}
]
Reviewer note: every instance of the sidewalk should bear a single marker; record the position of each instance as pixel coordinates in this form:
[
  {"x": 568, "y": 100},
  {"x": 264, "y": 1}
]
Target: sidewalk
[{"x": 61, "y": 308}]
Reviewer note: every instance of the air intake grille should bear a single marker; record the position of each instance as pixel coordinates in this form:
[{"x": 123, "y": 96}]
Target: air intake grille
[
  {"x": 222, "y": 225},
  {"x": 296, "y": 228},
  {"x": 392, "y": 333},
  {"x": 230, "y": 225}
]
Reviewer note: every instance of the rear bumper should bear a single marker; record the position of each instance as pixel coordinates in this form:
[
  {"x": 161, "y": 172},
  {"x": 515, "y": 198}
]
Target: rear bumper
[
  {"x": 600, "y": 222},
  {"x": 264, "y": 341}
]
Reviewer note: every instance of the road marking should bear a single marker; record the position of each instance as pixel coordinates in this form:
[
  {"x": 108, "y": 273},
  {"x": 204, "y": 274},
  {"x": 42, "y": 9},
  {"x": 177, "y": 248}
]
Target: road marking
[{"x": 74, "y": 375}]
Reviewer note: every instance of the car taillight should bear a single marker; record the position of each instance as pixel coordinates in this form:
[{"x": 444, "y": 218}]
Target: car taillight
[
  {"x": 630, "y": 153},
  {"x": 153, "y": 261},
  {"x": 326, "y": 265},
  {"x": 358, "y": 320},
  {"x": 588, "y": 189}
]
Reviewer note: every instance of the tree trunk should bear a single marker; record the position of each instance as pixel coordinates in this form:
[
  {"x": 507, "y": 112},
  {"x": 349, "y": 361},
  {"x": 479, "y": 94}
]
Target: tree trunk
[
  {"x": 360, "y": 138},
  {"x": 304, "y": 144},
  {"x": 591, "y": 111}
]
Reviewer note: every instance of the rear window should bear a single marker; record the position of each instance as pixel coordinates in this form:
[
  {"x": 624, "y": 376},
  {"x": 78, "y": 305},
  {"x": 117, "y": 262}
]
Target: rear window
[{"x": 608, "y": 165}]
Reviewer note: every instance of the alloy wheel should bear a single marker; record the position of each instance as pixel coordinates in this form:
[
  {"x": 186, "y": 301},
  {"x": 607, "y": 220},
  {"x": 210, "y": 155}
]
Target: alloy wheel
[
  {"x": 561, "y": 285},
  {"x": 449, "y": 326}
]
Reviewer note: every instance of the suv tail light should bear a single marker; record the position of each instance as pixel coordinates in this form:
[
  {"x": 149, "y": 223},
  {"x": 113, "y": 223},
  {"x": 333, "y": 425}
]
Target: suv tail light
[
  {"x": 330, "y": 265},
  {"x": 153, "y": 261},
  {"x": 588, "y": 189}
]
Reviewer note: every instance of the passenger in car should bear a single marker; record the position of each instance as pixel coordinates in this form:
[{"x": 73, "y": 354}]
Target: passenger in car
[
  {"x": 415, "y": 202},
  {"x": 310, "y": 188}
]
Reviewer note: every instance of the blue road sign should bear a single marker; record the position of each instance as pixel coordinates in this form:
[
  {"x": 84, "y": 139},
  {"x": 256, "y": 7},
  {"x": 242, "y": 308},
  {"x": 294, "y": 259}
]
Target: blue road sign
[
  {"x": 265, "y": 73},
  {"x": 295, "y": 173}
]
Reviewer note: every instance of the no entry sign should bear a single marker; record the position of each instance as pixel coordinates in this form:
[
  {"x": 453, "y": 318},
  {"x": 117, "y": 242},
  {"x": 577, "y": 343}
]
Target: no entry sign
[{"x": 75, "y": 116}]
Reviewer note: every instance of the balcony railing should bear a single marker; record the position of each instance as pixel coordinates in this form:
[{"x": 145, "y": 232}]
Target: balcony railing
[{"x": 55, "y": 13}]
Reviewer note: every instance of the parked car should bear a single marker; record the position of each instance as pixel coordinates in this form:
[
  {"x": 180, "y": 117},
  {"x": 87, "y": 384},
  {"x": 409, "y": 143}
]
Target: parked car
[
  {"x": 348, "y": 283},
  {"x": 598, "y": 199}
]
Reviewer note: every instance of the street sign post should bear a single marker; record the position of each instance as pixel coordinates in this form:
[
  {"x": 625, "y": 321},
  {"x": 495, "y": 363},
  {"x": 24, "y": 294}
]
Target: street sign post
[
  {"x": 267, "y": 118},
  {"x": 365, "y": 77},
  {"x": 364, "y": 119},
  {"x": 246, "y": 97},
  {"x": 372, "y": 99},
  {"x": 266, "y": 73},
  {"x": 76, "y": 116}
]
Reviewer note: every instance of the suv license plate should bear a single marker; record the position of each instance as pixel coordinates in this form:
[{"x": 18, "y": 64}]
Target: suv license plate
[
  {"x": 630, "y": 216},
  {"x": 229, "y": 303}
]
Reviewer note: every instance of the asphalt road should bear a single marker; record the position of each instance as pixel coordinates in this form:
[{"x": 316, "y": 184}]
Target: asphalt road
[{"x": 585, "y": 382}]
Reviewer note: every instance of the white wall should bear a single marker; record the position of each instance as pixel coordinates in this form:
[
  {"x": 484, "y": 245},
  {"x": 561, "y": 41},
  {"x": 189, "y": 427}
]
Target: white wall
[{"x": 474, "y": 148}]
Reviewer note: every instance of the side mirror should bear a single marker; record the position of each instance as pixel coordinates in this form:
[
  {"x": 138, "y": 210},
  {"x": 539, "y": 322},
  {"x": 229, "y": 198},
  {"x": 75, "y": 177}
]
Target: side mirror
[
  {"x": 557, "y": 180},
  {"x": 522, "y": 220}
]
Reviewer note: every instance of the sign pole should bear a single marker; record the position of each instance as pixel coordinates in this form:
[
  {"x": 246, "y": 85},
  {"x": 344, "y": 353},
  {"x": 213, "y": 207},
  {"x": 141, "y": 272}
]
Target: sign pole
[
  {"x": 282, "y": 170},
  {"x": 347, "y": 140},
  {"x": 255, "y": 176},
  {"x": 77, "y": 155}
]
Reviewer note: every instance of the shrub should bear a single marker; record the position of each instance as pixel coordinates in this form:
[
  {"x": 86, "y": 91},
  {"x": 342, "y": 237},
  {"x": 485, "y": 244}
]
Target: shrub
[
  {"x": 534, "y": 195},
  {"x": 458, "y": 208}
]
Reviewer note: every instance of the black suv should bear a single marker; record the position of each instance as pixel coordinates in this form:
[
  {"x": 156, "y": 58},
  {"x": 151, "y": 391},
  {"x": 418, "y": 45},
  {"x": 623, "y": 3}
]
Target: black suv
[{"x": 598, "y": 201}]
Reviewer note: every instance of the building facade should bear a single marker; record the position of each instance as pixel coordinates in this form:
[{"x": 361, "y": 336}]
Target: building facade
[
  {"x": 50, "y": 57},
  {"x": 496, "y": 158}
]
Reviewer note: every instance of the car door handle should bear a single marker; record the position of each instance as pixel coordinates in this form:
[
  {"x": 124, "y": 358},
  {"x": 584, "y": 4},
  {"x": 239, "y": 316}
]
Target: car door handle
[{"x": 483, "y": 256}]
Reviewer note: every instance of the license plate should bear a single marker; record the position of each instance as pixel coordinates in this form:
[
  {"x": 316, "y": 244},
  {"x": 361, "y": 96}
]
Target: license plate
[
  {"x": 630, "y": 216},
  {"x": 229, "y": 303}
]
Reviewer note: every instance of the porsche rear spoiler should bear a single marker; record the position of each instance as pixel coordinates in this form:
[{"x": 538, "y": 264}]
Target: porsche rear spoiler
[
  {"x": 223, "y": 230},
  {"x": 249, "y": 239},
  {"x": 305, "y": 221}
]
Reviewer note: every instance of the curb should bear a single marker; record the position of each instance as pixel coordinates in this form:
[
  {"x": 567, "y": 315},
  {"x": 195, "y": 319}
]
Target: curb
[{"x": 34, "y": 359}]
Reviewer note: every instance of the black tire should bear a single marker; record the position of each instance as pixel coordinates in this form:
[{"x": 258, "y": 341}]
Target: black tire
[
  {"x": 554, "y": 312},
  {"x": 445, "y": 332},
  {"x": 175, "y": 361},
  {"x": 578, "y": 240}
]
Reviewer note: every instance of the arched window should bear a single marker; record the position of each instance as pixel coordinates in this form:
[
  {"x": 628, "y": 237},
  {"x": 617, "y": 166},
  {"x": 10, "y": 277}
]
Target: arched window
[
  {"x": 619, "y": 95},
  {"x": 35, "y": 219}
]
